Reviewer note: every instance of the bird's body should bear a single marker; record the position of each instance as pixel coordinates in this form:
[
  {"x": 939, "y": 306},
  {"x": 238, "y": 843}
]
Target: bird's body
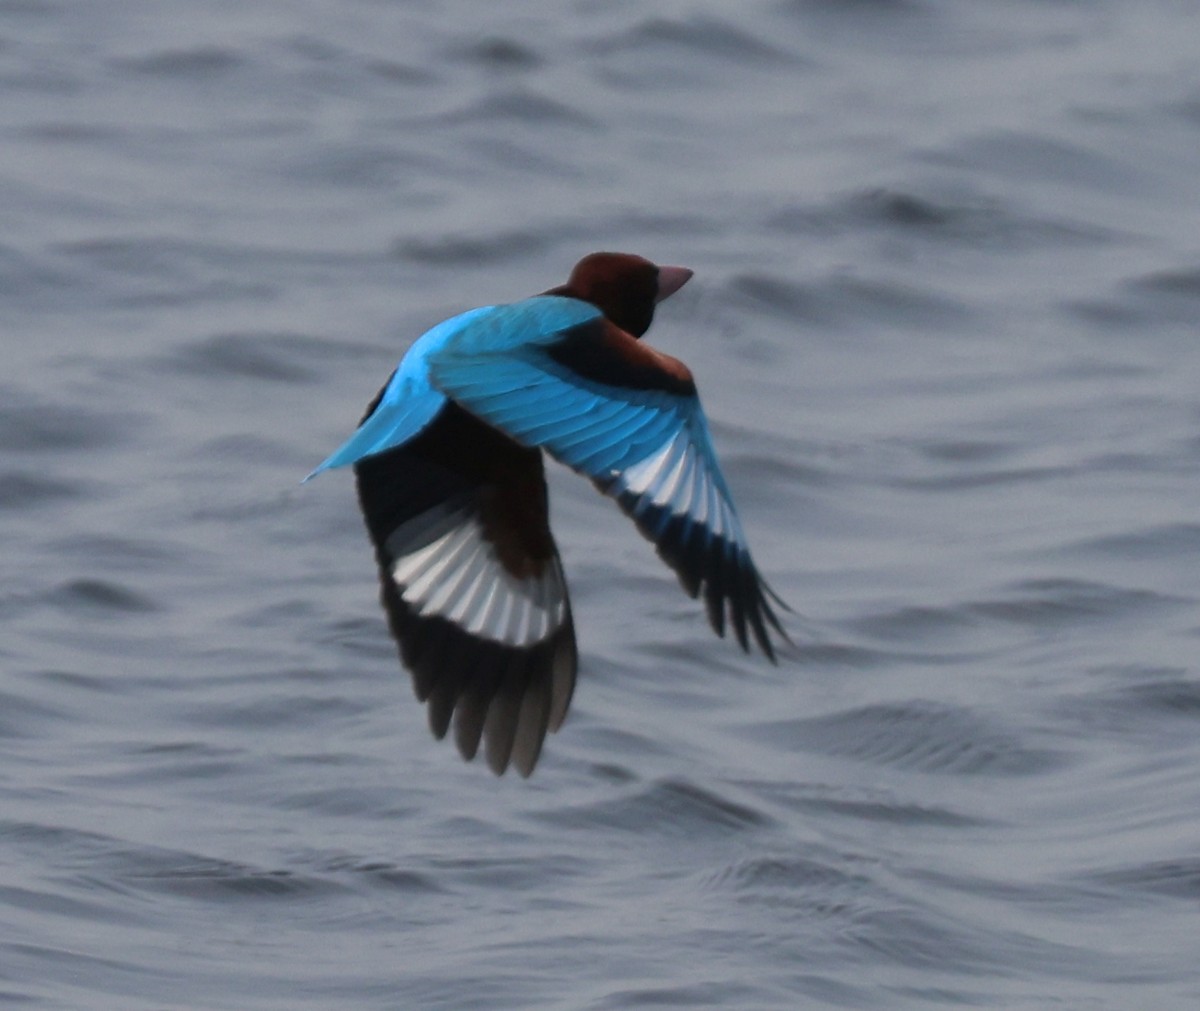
[{"x": 452, "y": 488}]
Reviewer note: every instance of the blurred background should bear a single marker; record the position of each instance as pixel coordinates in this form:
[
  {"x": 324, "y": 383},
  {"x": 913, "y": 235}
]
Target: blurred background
[{"x": 944, "y": 319}]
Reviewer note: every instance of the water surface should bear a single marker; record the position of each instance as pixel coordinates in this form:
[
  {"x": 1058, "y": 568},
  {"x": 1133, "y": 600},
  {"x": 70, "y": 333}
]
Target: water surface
[{"x": 945, "y": 323}]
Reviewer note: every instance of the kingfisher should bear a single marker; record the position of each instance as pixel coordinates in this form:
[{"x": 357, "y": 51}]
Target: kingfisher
[{"x": 449, "y": 464}]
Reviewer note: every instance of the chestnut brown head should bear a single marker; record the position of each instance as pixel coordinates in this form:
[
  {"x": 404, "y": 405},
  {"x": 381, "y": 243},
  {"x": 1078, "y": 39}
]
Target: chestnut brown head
[{"x": 624, "y": 287}]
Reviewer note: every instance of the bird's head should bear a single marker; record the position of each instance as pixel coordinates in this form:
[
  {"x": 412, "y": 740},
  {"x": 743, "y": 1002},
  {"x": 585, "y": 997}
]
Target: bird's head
[{"x": 624, "y": 287}]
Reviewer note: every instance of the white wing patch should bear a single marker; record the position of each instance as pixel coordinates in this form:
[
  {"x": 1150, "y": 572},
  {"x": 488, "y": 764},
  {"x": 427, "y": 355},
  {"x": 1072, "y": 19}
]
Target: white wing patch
[
  {"x": 445, "y": 567},
  {"x": 677, "y": 478}
]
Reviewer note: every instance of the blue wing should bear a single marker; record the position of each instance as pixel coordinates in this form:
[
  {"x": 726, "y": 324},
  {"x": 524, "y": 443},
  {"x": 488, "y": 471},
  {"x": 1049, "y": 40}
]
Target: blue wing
[
  {"x": 645, "y": 443},
  {"x": 407, "y": 405},
  {"x": 470, "y": 577},
  {"x": 552, "y": 372},
  {"x": 409, "y": 402}
]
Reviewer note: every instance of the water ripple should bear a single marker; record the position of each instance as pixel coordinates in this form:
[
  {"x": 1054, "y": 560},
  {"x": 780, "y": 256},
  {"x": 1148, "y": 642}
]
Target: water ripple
[
  {"x": 28, "y": 424},
  {"x": 867, "y": 805},
  {"x": 1032, "y": 156},
  {"x": 698, "y": 38},
  {"x": 919, "y": 735},
  {"x": 519, "y": 106},
  {"x": 197, "y": 63},
  {"x": 801, "y": 882},
  {"x": 99, "y": 596},
  {"x": 473, "y": 250},
  {"x": 1176, "y": 879},
  {"x": 982, "y": 224},
  {"x": 501, "y": 53},
  {"x": 1154, "y": 543},
  {"x": 675, "y": 808},
  {"x": 848, "y": 302},
  {"x": 22, "y": 490},
  {"x": 1047, "y": 603},
  {"x": 275, "y": 357}
]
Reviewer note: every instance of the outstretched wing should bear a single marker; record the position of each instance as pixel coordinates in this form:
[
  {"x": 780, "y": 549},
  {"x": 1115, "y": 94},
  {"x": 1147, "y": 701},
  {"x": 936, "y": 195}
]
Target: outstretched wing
[
  {"x": 627, "y": 417},
  {"x": 408, "y": 403},
  {"x": 472, "y": 584}
]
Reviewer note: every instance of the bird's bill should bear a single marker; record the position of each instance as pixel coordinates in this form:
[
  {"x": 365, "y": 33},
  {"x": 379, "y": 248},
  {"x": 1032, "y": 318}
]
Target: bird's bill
[{"x": 670, "y": 280}]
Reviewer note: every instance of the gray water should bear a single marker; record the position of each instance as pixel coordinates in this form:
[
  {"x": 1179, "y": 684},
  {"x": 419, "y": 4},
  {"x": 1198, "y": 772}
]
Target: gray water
[{"x": 945, "y": 320}]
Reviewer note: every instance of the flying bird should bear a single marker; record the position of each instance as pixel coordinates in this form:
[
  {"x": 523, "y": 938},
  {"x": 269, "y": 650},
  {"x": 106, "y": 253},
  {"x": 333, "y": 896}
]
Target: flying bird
[{"x": 449, "y": 467}]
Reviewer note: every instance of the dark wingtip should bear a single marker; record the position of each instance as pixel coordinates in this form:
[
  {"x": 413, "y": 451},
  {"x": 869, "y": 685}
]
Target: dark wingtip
[
  {"x": 776, "y": 599},
  {"x": 500, "y": 702},
  {"x": 752, "y": 605},
  {"x": 764, "y": 640}
]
